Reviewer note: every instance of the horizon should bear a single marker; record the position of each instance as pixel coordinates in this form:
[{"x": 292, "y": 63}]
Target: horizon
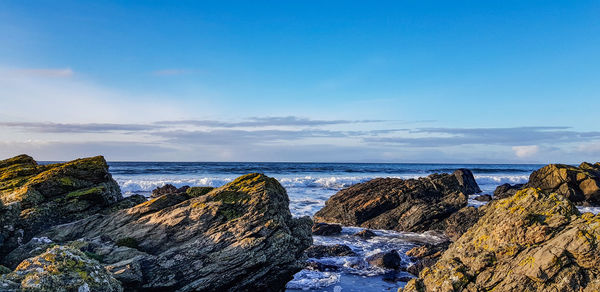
[{"x": 430, "y": 82}]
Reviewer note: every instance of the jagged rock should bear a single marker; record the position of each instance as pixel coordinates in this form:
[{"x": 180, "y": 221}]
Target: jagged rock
[
  {"x": 326, "y": 229},
  {"x": 483, "y": 198},
  {"x": 397, "y": 204},
  {"x": 198, "y": 191},
  {"x": 532, "y": 241},
  {"x": 579, "y": 184},
  {"x": 387, "y": 260},
  {"x": 506, "y": 190},
  {"x": 366, "y": 234},
  {"x": 35, "y": 197},
  {"x": 425, "y": 256},
  {"x": 167, "y": 190},
  {"x": 60, "y": 269},
  {"x": 237, "y": 237},
  {"x": 336, "y": 250},
  {"x": 460, "y": 221}
]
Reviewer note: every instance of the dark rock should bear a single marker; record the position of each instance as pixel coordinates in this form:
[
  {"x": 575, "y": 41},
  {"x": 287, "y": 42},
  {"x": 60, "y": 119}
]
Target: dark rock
[
  {"x": 387, "y": 260},
  {"x": 366, "y": 234},
  {"x": 167, "y": 190},
  {"x": 326, "y": 229},
  {"x": 35, "y": 197},
  {"x": 336, "y": 250},
  {"x": 397, "y": 204},
  {"x": 580, "y": 184},
  {"x": 532, "y": 241},
  {"x": 318, "y": 266},
  {"x": 425, "y": 256},
  {"x": 483, "y": 198},
  {"x": 460, "y": 221},
  {"x": 506, "y": 190},
  {"x": 239, "y": 237},
  {"x": 395, "y": 276}
]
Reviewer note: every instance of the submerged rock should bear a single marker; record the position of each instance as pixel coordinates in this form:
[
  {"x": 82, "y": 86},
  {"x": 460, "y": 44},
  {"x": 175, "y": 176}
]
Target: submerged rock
[
  {"x": 237, "y": 237},
  {"x": 387, "y": 260},
  {"x": 483, "y": 198},
  {"x": 326, "y": 229},
  {"x": 532, "y": 241},
  {"x": 365, "y": 234},
  {"x": 402, "y": 205},
  {"x": 60, "y": 269},
  {"x": 34, "y": 197},
  {"x": 336, "y": 250}
]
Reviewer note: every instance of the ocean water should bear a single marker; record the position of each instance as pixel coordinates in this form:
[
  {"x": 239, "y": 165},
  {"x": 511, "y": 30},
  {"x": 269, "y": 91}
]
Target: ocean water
[{"x": 309, "y": 185}]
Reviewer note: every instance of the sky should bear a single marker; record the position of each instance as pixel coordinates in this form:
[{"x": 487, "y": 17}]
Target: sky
[{"x": 325, "y": 81}]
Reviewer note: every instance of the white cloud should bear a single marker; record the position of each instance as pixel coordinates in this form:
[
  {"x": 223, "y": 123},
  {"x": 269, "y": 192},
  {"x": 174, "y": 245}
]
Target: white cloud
[
  {"x": 44, "y": 72},
  {"x": 526, "y": 151}
]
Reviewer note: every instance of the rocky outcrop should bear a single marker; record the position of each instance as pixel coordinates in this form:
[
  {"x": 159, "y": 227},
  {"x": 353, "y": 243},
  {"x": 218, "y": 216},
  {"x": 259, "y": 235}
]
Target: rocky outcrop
[
  {"x": 34, "y": 197},
  {"x": 460, "y": 221},
  {"x": 532, "y": 241},
  {"x": 336, "y": 250},
  {"x": 403, "y": 205},
  {"x": 60, "y": 269},
  {"x": 326, "y": 229},
  {"x": 237, "y": 237},
  {"x": 387, "y": 260},
  {"x": 425, "y": 256},
  {"x": 580, "y": 184}
]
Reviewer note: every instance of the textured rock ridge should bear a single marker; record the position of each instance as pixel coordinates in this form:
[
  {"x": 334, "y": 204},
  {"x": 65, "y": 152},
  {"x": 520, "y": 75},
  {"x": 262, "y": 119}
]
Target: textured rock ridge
[
  {"x": 403, "y": 205},
  {"x": 239, "y": 237},
  {"x": 34, "y": 197},
  {"x": 532, "y": 241},
  {"x": 579, "y": 184}
]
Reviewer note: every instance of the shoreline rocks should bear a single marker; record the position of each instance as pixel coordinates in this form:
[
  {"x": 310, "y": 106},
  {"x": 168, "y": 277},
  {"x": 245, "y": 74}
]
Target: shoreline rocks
[
  {"x": 530, "y": 241},
  {"x": 402, "y": 205}
]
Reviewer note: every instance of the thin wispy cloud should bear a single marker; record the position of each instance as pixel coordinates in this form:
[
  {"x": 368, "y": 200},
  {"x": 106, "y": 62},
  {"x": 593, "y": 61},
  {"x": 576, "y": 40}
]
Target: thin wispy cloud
[
  {"x": 77, "y": 128},
  {"x": 43, "y": 72},
  {"x": 267, "y": 121}
]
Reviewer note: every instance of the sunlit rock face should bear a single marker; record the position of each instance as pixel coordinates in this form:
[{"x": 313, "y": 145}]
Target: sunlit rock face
[
  {"x": 532, "y": 241},
  {"x": 403, "y": 205},
  {"x": 234, "y": 238}
]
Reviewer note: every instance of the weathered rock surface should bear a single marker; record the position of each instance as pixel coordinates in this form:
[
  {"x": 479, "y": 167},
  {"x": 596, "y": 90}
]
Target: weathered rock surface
[
  {"x": 387, "y": 260},
  {"x": 460, "y": 221},
  {"x": 366, "y": 234},
  {"x": 238, "y": 237},
  {"x": 34, "y": 197},
  {"x": 580, "y": 184},
  {"x": 425, "y": 256},
  {"x": 60, "y": 269},
  {"x": 532, "y": 241},
  {"x": 483, "y": 198},
  {"x": 336, "y": 250},
  {"x": 403, "y": 205},
  {"x": 326, "y": 229}
]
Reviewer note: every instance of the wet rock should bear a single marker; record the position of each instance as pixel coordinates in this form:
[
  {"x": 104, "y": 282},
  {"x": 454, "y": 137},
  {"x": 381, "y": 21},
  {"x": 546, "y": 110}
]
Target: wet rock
[
  {"x": 483, "y": 198},
  {"x": 167, "y": 190},
  {"x": 366, "y": 234},
  {"x": 237, "y": 237},
  {"x": 506, "y": 190},
  {"x": 326, "y": 229},
  {"x": 60, "y": 269},
  {"x": 532, "y": 241},
  {"x": 425, "y": 256},
  {"x": 336, "y": 250},
  {"x": 402, "y": 205},
  {"x": 34, "y": 197},
  {"x": 387, "y": 260}
]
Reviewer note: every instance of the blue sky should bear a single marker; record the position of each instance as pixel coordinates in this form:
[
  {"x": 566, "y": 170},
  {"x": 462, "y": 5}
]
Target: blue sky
[{"x": 397, "y": 81}]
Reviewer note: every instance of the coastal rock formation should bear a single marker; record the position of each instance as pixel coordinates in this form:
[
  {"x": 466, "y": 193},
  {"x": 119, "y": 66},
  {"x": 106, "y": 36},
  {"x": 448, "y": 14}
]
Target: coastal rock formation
[
  {"x": 387, "y": 260},
  {"x": 580, "y": 184},
  {"x": 34, "y": 197},
  {"x": 326, "y": 229},
  {"x": 403, "y": 205},
  {"x": 238, "y": 237},
  {"x": 60, "y": 269},
  {"x": 532, "y": 241},
  {"x": 336, "y": 250}
]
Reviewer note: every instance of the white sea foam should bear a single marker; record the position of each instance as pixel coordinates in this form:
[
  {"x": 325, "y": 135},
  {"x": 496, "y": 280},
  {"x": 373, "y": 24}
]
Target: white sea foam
[
  {"x": 594, "y": 210},
  {"x": 307, "y": 279}
]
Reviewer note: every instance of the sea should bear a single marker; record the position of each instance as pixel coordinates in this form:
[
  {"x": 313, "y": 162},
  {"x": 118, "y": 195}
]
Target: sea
[{"x": 309, "y": 185}]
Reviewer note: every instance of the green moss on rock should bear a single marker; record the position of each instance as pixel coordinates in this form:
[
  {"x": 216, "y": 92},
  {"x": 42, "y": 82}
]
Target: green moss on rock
[{"x": 198, "y": 191}]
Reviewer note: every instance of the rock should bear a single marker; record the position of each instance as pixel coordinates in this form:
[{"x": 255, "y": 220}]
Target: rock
[
  {"x": 580, "y": 184},
  {"x": 483, "y": 198},
  {"x": 238, "y": 237},
  {"x": 198, "y": 191},
  {"x": 167, "y": 190},
  {"x": 402, "y": 205},
  {"x": 506, "y": 190},
  {"x": 4, "y": 270},
  {"x": 35, "y": 197},
  {"x": 326, "y": 229},
  {"x": 336, "y": 250},
  {"x": 459, "y": 222},
  {"x": 532, "y": 241},
  {"x": 366, "y": 234},
  {"x": 425, "y": 256},
  {"x": 60, "y": 269},
  {"x": 387, "y": 260}
]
